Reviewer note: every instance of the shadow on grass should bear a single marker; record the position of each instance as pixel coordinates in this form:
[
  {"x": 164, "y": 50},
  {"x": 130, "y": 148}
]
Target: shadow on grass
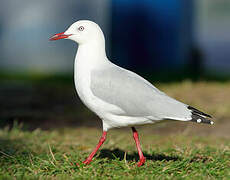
[
  {"x": 118, "y": 153},
  {"x": 10, "y": 149}
]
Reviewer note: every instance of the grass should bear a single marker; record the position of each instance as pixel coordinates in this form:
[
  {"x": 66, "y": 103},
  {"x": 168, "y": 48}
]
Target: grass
[
  {"x": 174, "y": 150},
  {"x": 53, "y": 155}
]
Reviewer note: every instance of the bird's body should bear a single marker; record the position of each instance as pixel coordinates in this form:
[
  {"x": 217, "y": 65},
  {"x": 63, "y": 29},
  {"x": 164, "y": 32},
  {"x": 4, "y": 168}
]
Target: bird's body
[
  {"x": 118, "y": 96},
  {"x": 91, "y": 91},
  {"x": 122, "y": 98}
]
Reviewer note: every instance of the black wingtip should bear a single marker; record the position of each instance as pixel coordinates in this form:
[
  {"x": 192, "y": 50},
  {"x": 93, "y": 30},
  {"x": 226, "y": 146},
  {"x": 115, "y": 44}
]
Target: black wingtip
[
  {"x": 197, "y": 112},
  {"x": 200, "y": 117}
]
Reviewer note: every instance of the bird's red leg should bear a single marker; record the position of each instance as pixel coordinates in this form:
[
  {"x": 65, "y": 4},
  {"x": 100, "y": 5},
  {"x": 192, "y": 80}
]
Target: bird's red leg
[
  {"x": 101, "y": 141},
  {"x": 142, "y": 158}
]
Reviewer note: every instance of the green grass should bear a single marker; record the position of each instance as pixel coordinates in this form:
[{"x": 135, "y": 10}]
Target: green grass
[
  {"x": 54, "y": 154},
  {"x": 174, "y": 150}
]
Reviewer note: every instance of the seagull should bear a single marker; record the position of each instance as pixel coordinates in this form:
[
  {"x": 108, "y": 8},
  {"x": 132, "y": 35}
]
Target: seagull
[{"x": 120, "y": 97}]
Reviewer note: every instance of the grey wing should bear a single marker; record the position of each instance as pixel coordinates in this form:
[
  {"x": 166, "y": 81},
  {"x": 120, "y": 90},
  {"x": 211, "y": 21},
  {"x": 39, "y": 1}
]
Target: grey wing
[{"x": 135, "y": 95}]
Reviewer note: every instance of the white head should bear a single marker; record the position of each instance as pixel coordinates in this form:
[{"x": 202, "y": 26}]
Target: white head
[{"x": 82, "y": 32}]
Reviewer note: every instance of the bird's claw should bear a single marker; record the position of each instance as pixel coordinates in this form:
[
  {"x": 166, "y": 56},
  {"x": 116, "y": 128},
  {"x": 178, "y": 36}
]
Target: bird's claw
[
  {"x": 141, "y": 162},
  {"x": 86, "y": 162}
]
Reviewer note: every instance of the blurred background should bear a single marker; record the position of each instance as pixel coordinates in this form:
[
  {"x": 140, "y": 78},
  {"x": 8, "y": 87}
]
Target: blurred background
[{"x": 181, "y": 46}]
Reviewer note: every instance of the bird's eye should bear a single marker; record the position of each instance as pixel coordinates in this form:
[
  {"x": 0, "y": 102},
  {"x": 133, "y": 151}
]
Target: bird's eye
[{"x": 81, "y": 28}]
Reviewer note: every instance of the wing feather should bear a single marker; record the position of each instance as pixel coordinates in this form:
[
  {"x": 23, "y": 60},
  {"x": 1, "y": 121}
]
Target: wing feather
[{"x": 135, "y": 95}]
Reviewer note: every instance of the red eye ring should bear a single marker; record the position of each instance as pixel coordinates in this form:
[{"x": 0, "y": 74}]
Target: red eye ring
[{"x": 81, "y": 28}]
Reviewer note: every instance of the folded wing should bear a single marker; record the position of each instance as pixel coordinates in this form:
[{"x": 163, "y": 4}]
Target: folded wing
[{"x": 135, "y": 96}]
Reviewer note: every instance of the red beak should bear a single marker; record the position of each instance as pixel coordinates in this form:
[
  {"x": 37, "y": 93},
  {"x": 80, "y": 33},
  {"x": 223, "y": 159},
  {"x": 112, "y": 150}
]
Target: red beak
[{"x": 59, "y": 36}]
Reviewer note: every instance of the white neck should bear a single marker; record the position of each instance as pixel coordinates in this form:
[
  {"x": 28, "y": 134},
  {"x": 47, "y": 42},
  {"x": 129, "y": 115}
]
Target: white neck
[{"x": 92, "y": 54}]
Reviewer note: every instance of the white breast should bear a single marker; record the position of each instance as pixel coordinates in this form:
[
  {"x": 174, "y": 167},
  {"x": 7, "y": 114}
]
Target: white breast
[{"x": 82, "y": 80}]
